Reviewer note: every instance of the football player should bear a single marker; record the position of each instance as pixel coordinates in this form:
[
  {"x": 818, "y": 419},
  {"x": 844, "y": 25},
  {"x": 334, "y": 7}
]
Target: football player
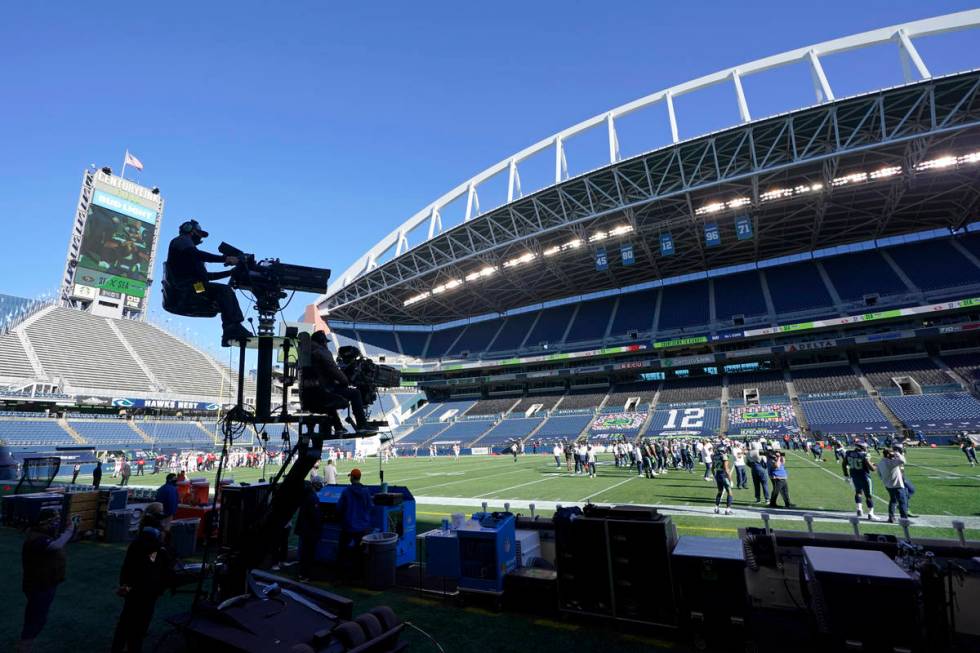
[{"x": 858, "y": 468}]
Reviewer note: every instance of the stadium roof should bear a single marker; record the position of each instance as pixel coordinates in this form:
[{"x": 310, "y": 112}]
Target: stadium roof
[{"x": 893, "y": 161}]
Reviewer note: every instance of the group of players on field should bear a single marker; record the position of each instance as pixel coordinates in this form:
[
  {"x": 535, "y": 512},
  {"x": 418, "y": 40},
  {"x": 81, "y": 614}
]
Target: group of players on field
[{"x": 730, "y": 462}]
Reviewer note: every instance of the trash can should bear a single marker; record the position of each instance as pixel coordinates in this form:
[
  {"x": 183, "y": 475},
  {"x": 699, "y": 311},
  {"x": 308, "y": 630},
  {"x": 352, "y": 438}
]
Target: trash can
[
  {"x": 183, "y": 536},
  {"x": 117, "y": 525},
  {"x": 379, "y": 559}
]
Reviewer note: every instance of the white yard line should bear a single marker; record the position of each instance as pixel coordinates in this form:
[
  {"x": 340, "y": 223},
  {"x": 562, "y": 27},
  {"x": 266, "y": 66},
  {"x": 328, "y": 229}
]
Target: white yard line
[
  {"x": 839, "y": 478},
  {"x": 595, "y": 494},
  {"x": 513, "y": 487},
  {"x": 944, "y": 472},
  {"x": 834, "y": 516},
  {"x": 469, "y": 479}
]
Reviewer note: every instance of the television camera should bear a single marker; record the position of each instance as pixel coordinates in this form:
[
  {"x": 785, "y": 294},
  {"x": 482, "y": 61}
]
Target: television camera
[{"x": 366, "y": 375}]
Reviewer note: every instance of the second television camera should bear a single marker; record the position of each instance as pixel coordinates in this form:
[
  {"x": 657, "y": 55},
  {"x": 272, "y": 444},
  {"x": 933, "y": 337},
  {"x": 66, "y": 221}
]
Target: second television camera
[{"x": 366, "y": 375}]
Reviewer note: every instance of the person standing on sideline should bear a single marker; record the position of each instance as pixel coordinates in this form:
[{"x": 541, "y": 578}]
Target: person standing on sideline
[
  {"x": 891, "y": 469},
  {"x": 590, "y": 460},
  {"x": 760, "y": 474},
  {"x": 513, "y": 451},
  {"x": 308, "y": 529},
  {"x": 557, "y": 452},
  {"x": 74, "y": 472},
  {"x": 97, "y": 474},
  {"x": 858, "y": 468},
  {"x": 330, "y": 472},
  {"x": 44, "y": 565},
  {"x": 723, "y": 478},
  {"x": 741, "y": 478},
  {"x": 145, "y": 574},
  {"x": 780, "y": 479},
  {"x": 354, "y": 508},
  {"x": 166, "y": 496},
  {"x": 125, "y": 472}
]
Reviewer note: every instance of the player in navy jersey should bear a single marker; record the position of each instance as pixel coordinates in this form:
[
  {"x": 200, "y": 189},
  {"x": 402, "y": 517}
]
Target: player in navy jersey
[
  {"x": 858, "y": 468},
  {"x": 969, "y": 449},
  {"x": 723, "y": 478}
]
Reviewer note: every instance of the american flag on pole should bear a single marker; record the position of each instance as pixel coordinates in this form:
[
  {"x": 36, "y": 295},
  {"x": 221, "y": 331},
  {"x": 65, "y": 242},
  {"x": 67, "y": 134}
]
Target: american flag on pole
[{"x": 133, "y": 161}]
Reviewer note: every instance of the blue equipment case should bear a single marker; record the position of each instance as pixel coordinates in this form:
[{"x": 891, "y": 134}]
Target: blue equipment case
[
  {"x": 487, "y": 554},
  {"x": 392, "y": 511},
  {"x": 441, "y": 553}
]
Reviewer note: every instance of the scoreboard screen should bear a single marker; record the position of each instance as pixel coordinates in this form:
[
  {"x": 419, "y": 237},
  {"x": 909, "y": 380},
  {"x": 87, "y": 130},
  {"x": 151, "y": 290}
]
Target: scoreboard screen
[{"x": 117, "y": 244}]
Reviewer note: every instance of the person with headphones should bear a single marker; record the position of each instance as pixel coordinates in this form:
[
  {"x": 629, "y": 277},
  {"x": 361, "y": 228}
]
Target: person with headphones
[{"x": 185, "y": 268}]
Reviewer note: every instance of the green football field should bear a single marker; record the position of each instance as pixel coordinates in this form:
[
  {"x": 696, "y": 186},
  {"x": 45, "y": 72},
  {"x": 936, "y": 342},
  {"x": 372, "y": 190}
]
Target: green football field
[{"x": 947, "y": 489}]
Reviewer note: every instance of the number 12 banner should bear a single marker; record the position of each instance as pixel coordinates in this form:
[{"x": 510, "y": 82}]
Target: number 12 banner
[{"x": 666, "y": 245}]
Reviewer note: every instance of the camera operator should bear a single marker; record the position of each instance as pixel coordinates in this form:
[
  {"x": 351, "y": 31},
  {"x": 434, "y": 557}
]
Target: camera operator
[
  {"x": 186, "y": 271},
  {"x": 332, "y": 380}
]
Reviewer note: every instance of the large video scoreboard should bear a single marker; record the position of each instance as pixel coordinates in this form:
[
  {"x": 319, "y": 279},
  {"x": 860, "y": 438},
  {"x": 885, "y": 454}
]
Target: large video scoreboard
[{"x": 113, "y": 245}]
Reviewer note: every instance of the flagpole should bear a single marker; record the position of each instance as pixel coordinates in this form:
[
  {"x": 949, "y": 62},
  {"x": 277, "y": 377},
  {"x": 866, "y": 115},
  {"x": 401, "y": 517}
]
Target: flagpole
[{"x": 125, "y": 159}]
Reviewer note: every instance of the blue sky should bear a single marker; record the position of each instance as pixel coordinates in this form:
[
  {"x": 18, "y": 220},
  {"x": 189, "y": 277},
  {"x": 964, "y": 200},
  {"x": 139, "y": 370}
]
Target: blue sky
[{"x": 308, "y": 131}]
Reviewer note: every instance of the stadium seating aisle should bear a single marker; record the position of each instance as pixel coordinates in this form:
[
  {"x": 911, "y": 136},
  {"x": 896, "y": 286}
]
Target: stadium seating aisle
[
  {"x": 492, "y": 406},
  {"x": 96, "y": 359},
  {"x": 591, "y": 320},
  {"x": 421, "y": 435},
  {"x": 862, "y": 273},
  {"x": 768, "y": 384},
  {"x": 678, "y": 391},
  {"x": 564, "y": 426},
  {"x": 739, "y": 294},
  {"x": 923, "y": 370},
  {"x": 547, "y": 402},
  {"x": 466, "y": 431},
  {"x": 844, "y": 415},
  {"x": 508, "y": 430},
  {"x": 513, "y": 333},
  {"x": 947, "y": 267},
  {"x": 175, "y": 433},
  {"x": 966, "y": 365},
  {"x": 378, "y": 343},
  {"x": 475, "y": 339},
  {"x": 13, "y": 359},
  {"x": 438, "y": 411},
  {"x": 684, "y": 306},
  {"x": 106, "y": 432},
  {"x": 18, "y": 433},
  {"x": 818, "y": 380},
  {"x": 797, "y": 287},
  {"x": 954, "y": 408},
  {"x": 180, "y": 367}
]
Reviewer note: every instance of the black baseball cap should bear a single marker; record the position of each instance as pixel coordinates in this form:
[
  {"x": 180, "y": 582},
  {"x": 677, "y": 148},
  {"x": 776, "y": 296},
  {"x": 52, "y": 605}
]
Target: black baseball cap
[{"x": 193, "y": 225}]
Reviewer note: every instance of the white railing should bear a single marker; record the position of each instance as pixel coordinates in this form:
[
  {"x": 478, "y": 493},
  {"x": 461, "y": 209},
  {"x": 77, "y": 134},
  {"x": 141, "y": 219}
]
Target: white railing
[{"x": 901, "y": 35}]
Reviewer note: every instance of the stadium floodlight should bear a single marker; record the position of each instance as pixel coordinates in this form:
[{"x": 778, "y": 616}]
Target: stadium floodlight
[
  {"x": 599, "y": 235},
  {"x": 480, "y": 274},
  {"x": 621, "y": 229},
  {"x": 889, "y": 171},
  {"x": 941, "y": 162},
  {"x": 417, "y": 298},
  {"x": 551, "y": 251},
  {"x": 526, "y": 257}
]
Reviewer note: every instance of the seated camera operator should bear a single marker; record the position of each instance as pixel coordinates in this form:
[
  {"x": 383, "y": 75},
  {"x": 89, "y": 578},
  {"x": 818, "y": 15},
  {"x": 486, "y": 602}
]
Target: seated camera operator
[
  {"x": 332, "y": 380},
  {"x": 186, "y": 271}
]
